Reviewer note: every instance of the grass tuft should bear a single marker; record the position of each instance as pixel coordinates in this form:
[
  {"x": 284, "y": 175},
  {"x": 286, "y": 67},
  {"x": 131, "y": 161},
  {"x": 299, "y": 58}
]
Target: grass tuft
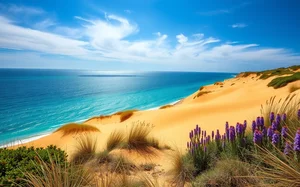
[
  {"x": 56, "y": 174},
  {"x": 74, "y": 128},
  {"x": 182, "y": 169},
  {"x": 115, "y": 140},
  {"x": 85, "y": 149},
  {"x": 201, "y": 93},
  {"x": 120, "y": 164}
]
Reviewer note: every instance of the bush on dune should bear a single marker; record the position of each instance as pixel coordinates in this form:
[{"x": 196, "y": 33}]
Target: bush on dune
[
  {"x": 124, "y": 115},
  {"x": 74, "y": 128},
  {"x": 166, "y": 106},
  {"x": 15, "y": 162},
  {"x": 227, "y": 173},
  {"x": 115, "y": 140}
]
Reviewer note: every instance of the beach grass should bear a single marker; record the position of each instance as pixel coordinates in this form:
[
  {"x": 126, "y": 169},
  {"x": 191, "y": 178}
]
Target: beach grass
[
  {"x": 182, "y": 169},
  {"x": 85, "y": 149},
  {"x": 283, "y": 81},
  {"x": 57, "y": 174},
  {"x": 75, "y": 128},
  {"x": 115, "y": 140},
  {"x": 201, "y": 93}
]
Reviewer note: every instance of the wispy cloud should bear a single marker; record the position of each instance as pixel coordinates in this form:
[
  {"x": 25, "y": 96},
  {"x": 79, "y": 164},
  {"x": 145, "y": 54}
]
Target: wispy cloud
[
  {"x": 21, "y": 9},
  {"x": 223, "y": 11},
  {"x": 239, "y": 25},
  {"x": 128, "y": 11},
  {"x": 110, "y": 39}
]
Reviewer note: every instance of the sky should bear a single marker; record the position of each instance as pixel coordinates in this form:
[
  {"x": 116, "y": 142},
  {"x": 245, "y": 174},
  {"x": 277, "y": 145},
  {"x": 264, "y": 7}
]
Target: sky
[{"x": 150, "y": 35}]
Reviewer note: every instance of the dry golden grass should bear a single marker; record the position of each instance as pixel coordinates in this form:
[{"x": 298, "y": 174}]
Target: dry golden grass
[
  {"x": 98, "y": 117},
  {"x": 294, "y": 88},
  {"x": 138, "y": 139},
  {"x": 182, "y": 169},
  {"x": 85, "y": 149},
  {"x": 74, "y": 128},
  {"x": 57, "y": 175},
  {"x": 278, "y": 169},
  {"x": 165, "y": 106},
  {"x": 201, "y": 93},
  {"x": 115, "y": 140},
  {"x": 124, "y": 115}
]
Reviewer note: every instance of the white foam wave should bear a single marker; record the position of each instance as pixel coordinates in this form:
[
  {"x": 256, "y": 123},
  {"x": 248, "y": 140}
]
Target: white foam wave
[{"x": 26, "y": 140}]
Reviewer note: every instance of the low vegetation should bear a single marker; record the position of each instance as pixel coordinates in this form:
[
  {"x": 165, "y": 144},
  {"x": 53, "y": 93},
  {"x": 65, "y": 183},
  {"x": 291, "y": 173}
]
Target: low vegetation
[
  {"x": 85, "y": 149},
  {"x": 283, "y": 81},
  {"x": 124, "y": 115},
  {"x": 115, "y": 140},
  {"x": 201, "y": 93},
  {"x": 75, "y": 128},
  {"x": 165, "y": 106},
  {"x": 15, "y": 163}
]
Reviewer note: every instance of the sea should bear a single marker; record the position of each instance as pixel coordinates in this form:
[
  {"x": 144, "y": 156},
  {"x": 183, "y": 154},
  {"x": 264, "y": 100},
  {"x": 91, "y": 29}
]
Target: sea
[{"x": 35, "y": 102}]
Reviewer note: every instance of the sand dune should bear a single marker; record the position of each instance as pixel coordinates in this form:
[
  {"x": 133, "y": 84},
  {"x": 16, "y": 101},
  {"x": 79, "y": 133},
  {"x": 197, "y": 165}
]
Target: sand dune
[{"x": 234, "y": 101}]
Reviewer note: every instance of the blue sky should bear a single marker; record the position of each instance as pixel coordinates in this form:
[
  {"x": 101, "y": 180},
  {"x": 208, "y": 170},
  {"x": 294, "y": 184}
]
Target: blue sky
[{"x": 147, "y": 35}]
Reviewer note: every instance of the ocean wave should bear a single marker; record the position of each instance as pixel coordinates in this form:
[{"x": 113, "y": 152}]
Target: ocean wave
[{"x": 26, "y": 140}]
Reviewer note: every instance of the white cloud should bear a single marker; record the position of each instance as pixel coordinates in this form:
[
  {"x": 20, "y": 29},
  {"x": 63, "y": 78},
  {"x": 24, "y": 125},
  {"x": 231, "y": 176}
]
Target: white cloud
[
  {"x": 128, "y": 11},
  {"x": 110, "y": 39},
  {"x": 239, "y": 25},
  {"x": 46, "y": 23},
  {"x": 14, "y": 9}
]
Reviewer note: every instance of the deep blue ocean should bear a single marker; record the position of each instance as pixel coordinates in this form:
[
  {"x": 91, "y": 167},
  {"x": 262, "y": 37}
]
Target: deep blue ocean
[{"x": 36, "y": 102}]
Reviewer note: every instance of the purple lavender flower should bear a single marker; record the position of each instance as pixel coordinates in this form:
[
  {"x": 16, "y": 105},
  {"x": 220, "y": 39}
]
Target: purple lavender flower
[
  {"x": 262, "y": 121},
  {"x": 253, "y": 126},
  {"x": 270, "y": 132},
  {"x": 201, "y": 141},
  {"x": 278, "y": 118},
  {"x": 287, "y": 148},
  {"x": 199, "y": 131},
  {"x": 218, "y": 135},
  {"x": 272, "y": 117},
  {"x": 204, "y": 133},
  {"x": 231, "y": 133},
  {"x": 188, "y": 145},
  {"x": 212, "y": 134},
  {"x": 284, "y": 117},
  {"x": 297, "y": 141},
  {"x": 284, "y": 131},
  {"x": 226, "y": 125},
  {"x": 191, "y": 145},
  {"x": 257, "y": 137},
  {"x": 274, "y": 125},
  {"x": 298, "y": 114},
  {"x": 197, "y": 127},
  {"x": 258, "y": 122},
  {"x": 275, "y": 138},
  {"x": 245, "y": 125},
  {"x": 239, "y": 129}
]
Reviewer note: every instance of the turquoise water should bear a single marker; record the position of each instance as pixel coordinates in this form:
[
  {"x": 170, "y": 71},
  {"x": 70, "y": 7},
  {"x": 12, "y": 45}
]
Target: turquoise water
[{"x": 36, "y": 102}]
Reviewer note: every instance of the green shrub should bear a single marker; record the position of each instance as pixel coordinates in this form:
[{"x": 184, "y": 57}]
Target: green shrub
[
  {"x": 14, "y": 162},
  {"x": 283, "y": 81}
]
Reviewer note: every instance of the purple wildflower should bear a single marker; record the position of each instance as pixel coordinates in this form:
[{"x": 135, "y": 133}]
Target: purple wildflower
[
  {"x": 274, "y": 125},
  {"x": 264, "y": 131},
  {"x": 278, "y": 118},
  {"x": 258, "y": 122},
  {"x": 231, "y": 133},
  {"x": 297, "y": 141},
  {"x": 275, "y": 138},
  {"x": 270, "y": 132},
  {"x": 226, "y": 125},
  {"x": 218, "y": 136},
  {"x": 284, "y": 131},
  {"x": 272, "y": 117},
  {"x": 298, "y": 114},
  {"x": 284, "y": 117},
  {"x": 212, "y": 135},
  {"x": 262, "y": 122},
  {"x": 204, "y": 133},
  {"x": 253, "y": 126},
  {"x": 288, "y": 148},
  {"x": 188, "y": 145},
  {"x": 257, "y": 137},
  {"x": 239, "y": 129},
  {"x": 245, "y": 125}
]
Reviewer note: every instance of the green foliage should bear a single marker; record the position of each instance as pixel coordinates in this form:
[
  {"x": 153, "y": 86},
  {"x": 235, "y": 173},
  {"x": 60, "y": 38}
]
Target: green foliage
[
  {"x": 283, "y": 81},
  {"x": 275, "y": 72},
  {"x": 227, "y": 173},
  {"x": 14, "y": 162}
]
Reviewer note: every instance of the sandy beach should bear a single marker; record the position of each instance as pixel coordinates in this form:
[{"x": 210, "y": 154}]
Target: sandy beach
[{"x": 233, "y": 100}]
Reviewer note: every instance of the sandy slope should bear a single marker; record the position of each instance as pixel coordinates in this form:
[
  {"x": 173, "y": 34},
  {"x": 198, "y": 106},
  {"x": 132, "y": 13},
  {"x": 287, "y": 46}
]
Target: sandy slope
[{"x": 233, "y": 101}]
